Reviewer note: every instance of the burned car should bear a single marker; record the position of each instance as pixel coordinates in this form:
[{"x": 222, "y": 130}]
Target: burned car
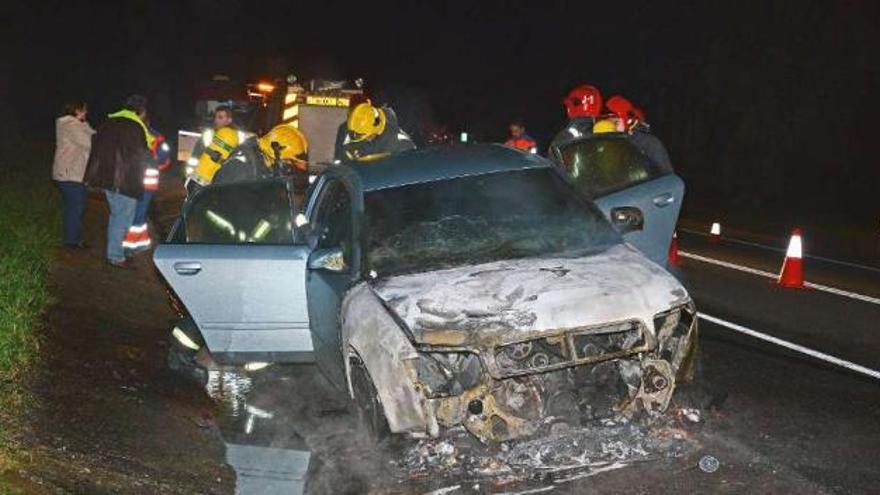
[{"x": 440, "y": 287}]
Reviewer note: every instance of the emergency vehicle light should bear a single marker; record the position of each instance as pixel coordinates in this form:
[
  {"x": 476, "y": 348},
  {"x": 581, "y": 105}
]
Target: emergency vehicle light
[{"x": 264, "y": 87}]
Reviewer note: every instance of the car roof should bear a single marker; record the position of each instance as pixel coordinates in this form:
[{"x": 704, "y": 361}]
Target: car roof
[{"x": 443, "y": 162}]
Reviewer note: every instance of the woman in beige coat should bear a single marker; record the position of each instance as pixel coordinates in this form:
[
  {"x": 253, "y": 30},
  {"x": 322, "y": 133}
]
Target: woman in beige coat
[{"x": 73, "y": 141}]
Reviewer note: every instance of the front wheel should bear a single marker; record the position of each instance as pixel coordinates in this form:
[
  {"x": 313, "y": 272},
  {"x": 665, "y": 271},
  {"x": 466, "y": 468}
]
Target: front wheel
[{"x": 371, "y": 416}]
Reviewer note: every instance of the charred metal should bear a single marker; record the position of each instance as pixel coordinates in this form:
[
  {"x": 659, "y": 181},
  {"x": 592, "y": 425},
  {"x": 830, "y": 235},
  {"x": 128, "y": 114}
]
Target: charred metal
[
  {"x": 500, "y": 387},
  {"x": 554, "y": 381}
]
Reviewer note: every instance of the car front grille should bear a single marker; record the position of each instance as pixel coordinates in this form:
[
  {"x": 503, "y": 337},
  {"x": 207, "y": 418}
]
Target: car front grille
[{"x": 567, "y": 348}]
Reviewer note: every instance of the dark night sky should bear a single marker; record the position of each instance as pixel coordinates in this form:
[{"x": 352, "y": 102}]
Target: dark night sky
[
  {"x": 746, "y": 94},
  {"x": 477, "y": 62}
]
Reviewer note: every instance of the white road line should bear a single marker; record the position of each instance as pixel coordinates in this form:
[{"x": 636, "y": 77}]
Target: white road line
[
  {"x": 782, "y": 250},
  {"x": 762, "y": 273},
  {"x": 792, "y": 346}
]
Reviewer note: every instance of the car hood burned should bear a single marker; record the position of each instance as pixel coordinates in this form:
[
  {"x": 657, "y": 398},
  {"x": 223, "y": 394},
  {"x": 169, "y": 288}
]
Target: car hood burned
[{"x": 511, "y": 300}]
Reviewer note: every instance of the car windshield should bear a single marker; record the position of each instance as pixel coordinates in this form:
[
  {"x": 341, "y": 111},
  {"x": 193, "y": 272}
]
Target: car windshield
[{"x": 470, "y": 220}]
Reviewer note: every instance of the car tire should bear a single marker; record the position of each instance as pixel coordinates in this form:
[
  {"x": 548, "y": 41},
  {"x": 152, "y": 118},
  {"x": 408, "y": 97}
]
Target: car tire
[{"x": 370, "y": 413}]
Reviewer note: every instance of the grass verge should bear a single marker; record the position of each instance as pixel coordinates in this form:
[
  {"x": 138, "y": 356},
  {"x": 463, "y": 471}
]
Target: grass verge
[{"x": 30, "y": 216}]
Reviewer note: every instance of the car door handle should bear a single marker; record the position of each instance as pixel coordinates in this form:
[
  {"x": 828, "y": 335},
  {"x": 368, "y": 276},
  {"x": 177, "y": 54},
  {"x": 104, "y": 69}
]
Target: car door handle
[
  {"x": 664, "y": 200},
  {"x": 187, "y": 267}
]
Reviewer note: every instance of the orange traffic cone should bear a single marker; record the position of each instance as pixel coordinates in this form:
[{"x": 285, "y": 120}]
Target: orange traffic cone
[
  {"x": 715, "y": 233},
  {"x": 792, "y": 273},
  {"x": 673, "y": 250}
]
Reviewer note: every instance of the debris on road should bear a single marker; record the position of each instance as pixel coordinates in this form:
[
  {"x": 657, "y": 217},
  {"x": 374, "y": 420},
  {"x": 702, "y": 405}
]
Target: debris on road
[
  {"x": 443, "y": 491},
  {"x": 575, "y": 453},
  {"x": 709, "y": 464}
]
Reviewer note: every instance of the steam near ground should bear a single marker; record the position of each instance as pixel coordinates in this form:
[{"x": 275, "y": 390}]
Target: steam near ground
[{"x": 287, "y": 427}]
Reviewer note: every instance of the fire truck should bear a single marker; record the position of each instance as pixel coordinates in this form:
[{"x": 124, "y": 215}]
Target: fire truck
[{"x": 317, "y": 107}]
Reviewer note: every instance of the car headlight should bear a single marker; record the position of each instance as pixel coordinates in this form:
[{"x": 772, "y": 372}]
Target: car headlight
[
  {"x": 446, "y": 374},
  {"x": 676, "y": 331}
]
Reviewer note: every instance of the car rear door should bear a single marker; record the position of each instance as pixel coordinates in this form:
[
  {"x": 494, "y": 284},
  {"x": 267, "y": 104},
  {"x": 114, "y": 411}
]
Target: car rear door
[
  {"x": 237, "y": 262},
  {"x": 616, "y": 174}
]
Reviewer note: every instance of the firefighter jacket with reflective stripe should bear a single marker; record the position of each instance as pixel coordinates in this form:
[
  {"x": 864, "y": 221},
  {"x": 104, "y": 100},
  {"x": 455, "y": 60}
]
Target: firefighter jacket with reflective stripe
[
  {"x": 392, "y": 140},
  {"x": 205, "y": 140},
  {"x": 245, "y": 163}
]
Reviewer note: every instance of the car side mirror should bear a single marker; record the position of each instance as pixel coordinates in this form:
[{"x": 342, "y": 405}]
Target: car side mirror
[
  {"x": 627, "y": 219},
  {"x": 329, "y": 259}
]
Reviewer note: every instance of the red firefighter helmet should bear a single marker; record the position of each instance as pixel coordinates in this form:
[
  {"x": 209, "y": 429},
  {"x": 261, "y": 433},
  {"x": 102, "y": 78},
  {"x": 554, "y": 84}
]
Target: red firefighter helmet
[
  {"x": 626, "y": 111},
  {"x": 583, "y": 101}
]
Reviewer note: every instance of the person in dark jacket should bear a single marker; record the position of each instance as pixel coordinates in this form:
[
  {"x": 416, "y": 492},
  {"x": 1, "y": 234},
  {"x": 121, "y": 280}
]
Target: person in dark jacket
[{"x": 117, "y": 164}]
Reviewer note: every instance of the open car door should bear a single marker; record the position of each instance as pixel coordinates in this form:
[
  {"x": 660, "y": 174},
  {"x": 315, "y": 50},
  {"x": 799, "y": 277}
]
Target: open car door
[
  {"x": 237, "y": 262},
  {"x": 629, "y": 187}
]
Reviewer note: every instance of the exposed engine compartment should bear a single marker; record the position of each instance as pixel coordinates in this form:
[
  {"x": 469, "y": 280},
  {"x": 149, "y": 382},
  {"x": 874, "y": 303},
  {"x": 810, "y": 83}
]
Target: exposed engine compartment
[{"x": 574, "y": 379}]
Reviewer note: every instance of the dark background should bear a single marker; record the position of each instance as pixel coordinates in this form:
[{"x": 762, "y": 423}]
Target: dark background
[{"x": 768, "y": 108}]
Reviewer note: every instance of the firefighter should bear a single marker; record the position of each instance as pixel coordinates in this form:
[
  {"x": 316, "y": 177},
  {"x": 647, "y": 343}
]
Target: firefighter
[
  {"x": 342, "y": 130},
  {"x": 372, "y": 133},
  {"x": 137, "y": 238},
  {"x": 583, "y": 105},
  {"x": 222, "y": 119},
  {"x": 281, "y": 150},
  {"x": 519, "y": 139},
  {"x": 632, "y": 122},
  {"x": 222, "y": 144}
]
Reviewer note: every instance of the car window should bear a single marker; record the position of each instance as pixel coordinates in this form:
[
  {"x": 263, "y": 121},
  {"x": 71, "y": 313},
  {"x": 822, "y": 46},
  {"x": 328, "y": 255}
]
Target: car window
[
  {"x": 599, "y": 166},
  {"x": 241, "y": 213},
  {"x": 332, "y": 220}
]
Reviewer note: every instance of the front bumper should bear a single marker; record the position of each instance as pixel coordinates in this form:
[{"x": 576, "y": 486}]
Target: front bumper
[{"x": 573, "y": 377}]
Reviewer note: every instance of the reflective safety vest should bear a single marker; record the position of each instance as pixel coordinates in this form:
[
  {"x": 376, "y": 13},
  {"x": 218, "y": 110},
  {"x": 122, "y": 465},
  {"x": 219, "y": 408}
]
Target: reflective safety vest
[
  {"x": 138, "y": 235},
  {"x": 161, "y": 160},
  {"x": 523, "y": 143}
]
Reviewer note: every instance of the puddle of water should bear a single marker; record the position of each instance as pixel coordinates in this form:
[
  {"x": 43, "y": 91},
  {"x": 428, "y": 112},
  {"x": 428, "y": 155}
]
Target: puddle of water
[
  {"x": 230, "y": 388},
  {"x": 267, "y": 455},
  {"x": 268, "y": 470}
]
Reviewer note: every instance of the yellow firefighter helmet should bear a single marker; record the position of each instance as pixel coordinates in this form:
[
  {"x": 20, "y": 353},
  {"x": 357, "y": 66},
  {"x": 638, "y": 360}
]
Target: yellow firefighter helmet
[
  {"x": 293, "y": 145},
  {"x": 366, "y": 121},
  {"x": 219, "y": 144},
  {"x": 604, "y": 126}
]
